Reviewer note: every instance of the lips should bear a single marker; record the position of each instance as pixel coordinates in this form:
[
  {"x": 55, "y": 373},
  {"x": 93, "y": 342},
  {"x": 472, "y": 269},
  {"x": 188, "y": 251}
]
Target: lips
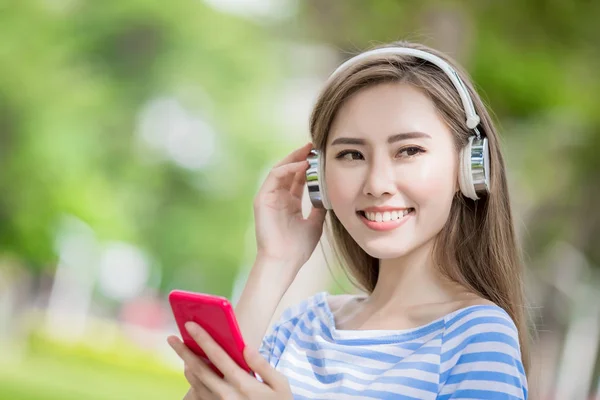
[
  {"x": 385, "y": 215},
  {"x": 386, "y": 220}
]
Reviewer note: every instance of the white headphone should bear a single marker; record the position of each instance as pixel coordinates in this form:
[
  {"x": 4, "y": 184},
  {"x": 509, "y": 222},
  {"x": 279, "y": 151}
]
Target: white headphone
[{"x": 474, "y": 167}]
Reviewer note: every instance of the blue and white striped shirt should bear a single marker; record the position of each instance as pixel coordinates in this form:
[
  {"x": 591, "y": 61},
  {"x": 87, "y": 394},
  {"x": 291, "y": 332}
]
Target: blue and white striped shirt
[{"x": 472, "y": 353}]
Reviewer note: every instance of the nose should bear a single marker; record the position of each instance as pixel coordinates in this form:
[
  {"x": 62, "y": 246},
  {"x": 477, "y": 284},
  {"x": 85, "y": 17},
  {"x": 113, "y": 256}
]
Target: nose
[{"x": 381, "y": 178}]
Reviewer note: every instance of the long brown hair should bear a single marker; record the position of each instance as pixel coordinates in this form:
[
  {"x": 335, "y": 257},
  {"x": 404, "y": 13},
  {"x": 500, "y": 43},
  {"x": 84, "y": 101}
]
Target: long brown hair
[{"x": 477, "y": 246}]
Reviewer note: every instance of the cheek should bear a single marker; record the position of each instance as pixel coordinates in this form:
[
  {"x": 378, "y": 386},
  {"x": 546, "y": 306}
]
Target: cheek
[
  {"x": 432, "y": 187},
  {"x": 341, "y": 189},
  {"x": 431, "y": 181}
]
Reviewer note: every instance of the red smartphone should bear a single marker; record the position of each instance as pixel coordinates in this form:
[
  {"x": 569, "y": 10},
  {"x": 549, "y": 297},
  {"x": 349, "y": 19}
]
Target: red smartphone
[{"x": 215, "y": 315}]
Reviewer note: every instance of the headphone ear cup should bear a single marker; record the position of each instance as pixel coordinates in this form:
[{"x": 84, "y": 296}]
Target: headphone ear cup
[
  {"x": 474, "y": 168},
  {"x": 465, "y": 176},
  {"x": 315, "y": 179},
  {"x": 323, "y": 183}
]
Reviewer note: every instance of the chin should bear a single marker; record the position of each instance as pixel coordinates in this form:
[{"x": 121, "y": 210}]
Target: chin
[{"x": 387, "y": 248}]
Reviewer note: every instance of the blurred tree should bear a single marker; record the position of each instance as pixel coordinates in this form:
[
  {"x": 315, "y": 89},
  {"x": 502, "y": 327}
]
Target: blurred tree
[{"x": 92, "y": 100}]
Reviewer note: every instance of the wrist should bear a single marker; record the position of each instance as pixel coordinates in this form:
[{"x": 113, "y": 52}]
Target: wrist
[
  {"x": 276, "y": 264},
  {"x": 273, "y": 271}
]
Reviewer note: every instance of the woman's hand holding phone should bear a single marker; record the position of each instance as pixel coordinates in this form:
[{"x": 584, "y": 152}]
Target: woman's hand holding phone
[
  {"x": 284, "y": 237},
  {"x": 238, "y": 384}
]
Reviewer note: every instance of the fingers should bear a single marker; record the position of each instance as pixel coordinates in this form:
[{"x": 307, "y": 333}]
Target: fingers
[
  {"x": 200, "y": 392},
  {"x": 258, "y": 364},
  {"x": 196, "y": 369},
  {"x": 191, "y": 377},
  {"x": 288, "y": 172},
  {"x": 297, "y": 189},
  {"x": 297, "y": 155},
  {"x": 281, "y": 177},
  {"x": 317, "y": 216},
  {"x": 215, "y": 353}
]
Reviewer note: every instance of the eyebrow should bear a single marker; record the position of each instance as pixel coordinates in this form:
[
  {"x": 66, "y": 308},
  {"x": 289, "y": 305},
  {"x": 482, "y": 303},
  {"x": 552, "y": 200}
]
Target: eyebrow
[{"x": 392, "y": 139}]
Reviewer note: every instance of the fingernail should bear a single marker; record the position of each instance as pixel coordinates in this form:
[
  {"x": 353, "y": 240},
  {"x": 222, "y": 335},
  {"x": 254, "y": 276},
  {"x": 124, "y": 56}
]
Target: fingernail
[
  {"x": 172, "y": 341},
  {"x": 191, "y": 327}
]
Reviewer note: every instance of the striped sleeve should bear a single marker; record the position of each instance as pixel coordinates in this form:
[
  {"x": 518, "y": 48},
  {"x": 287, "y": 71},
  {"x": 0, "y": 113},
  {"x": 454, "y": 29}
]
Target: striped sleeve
[
  {"x": 275, "y": 340},
  {"x": 481, "y": 357}
]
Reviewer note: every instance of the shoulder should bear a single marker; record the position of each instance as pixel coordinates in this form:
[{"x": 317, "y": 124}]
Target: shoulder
[
  {"x": 480, "y": 323},
  {"x": 481, "y": 354},
  {"x": 341, "y": 302},
  {"x": 480, "y": 333},
  {"x": 306, "y": 306},
  {"x": 290, "y": 317},
  {"x": 479, "y": 318}
]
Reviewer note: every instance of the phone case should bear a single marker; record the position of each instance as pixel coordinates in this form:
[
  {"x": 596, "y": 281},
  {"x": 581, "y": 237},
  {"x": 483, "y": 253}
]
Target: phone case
[{"x": 216, "y": 316}]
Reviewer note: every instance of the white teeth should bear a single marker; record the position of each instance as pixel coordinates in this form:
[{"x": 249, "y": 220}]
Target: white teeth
[{"x": 386, "y": 216}]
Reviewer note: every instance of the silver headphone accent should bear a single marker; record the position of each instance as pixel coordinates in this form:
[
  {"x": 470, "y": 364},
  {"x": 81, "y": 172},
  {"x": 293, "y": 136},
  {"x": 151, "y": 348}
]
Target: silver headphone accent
[
  {"x": 316, "y": 184},
  {"x": 473, "y": 159}
]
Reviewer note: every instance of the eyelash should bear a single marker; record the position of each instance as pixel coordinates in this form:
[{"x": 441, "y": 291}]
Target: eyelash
[{"x": 419, "y": 150}]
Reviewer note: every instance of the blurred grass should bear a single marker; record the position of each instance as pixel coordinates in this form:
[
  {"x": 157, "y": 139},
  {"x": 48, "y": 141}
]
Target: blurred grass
[{"x": 51, "y": 371}]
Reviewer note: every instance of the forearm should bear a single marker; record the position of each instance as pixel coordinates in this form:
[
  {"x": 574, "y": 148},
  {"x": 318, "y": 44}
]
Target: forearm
[{"x": 266, "y": 285}]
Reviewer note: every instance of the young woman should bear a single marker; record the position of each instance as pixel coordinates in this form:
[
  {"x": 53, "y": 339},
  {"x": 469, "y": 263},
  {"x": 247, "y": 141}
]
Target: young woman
[{"x": 420, "y": 216}]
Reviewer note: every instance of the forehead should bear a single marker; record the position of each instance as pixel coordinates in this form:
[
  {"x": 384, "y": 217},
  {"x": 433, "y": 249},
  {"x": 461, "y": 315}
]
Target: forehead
[{"x": 381, "y": 110}]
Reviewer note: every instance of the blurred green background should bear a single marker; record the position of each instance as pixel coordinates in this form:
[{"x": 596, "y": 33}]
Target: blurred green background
[{"x": 134, "y": 135}]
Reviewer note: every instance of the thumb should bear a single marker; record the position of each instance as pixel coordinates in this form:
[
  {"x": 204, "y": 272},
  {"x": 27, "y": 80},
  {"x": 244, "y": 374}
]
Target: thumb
[
  {"x": 317, "y": 216},
  {"x": 258, "y": 364}
]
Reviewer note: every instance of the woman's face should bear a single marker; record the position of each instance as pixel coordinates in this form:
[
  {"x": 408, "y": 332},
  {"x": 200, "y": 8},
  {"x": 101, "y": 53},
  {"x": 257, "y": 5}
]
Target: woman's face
[{"x": 391, "y": 169}]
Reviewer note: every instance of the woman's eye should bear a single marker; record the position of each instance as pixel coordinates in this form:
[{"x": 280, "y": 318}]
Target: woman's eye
[
  {"x": 349, "y": 155},
  {"x": 411, "y": 151},
  {"x": 353, "y": 155}
]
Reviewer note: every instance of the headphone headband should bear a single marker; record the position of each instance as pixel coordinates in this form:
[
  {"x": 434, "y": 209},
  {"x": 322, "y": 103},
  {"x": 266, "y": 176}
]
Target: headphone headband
[{"x": 472, "y": 117}]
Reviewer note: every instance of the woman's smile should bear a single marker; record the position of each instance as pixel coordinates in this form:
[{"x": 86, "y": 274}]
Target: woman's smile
[{"x": 386, "y": 220}]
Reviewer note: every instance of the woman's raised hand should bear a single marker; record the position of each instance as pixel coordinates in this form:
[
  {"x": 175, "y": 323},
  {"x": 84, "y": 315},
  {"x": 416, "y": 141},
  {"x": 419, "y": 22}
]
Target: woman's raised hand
[{"x": 283, "y": 235}]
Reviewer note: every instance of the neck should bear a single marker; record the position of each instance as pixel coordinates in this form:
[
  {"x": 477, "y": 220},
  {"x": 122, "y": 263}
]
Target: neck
[{"x": 411, "y": 280}]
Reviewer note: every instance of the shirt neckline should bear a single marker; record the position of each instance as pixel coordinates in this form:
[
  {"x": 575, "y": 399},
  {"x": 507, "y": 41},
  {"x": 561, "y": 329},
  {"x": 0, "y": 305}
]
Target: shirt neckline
[{"x": 385, "y": 335}]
